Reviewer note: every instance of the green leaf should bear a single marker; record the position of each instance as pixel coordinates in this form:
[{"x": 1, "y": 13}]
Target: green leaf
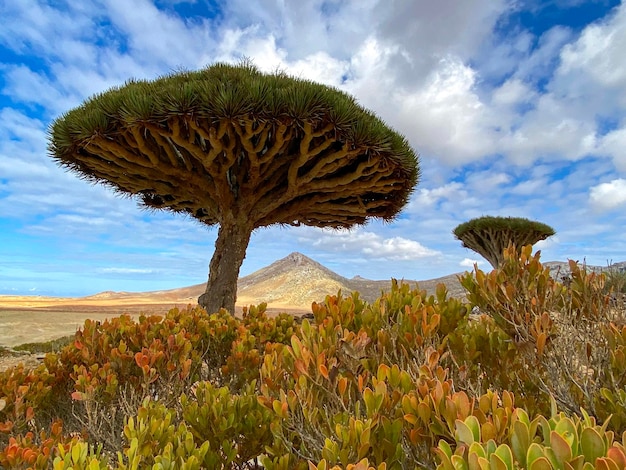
[
  {"x": 463, "y": 433},
  {"x": 445, "y": 448},
  {"x": 476, "y": 448},
  {"x": 296, "y": 346},
  {"x": 373, "y": 401},
  {"x": 535, "y": 451},
  {"x": 520, "y": 441},
  {"x": 504, "y": 452},
  {"x": 544, "y": 424},
  {"x": 577, "y": 463},
  {"x": 592, "y": 445},
  {"x": 553, "y": 407},
  {"x": 522, "y": 416},
  {"x": 474, "y": 425},
  {"x": 490, "y": 446},
  {"x": 459, "y": 463}
]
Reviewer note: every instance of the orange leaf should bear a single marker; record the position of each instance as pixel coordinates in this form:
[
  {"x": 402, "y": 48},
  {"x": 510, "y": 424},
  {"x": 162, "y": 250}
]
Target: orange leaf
[
  {"x": 323, "y": 370},
  {"x": 411, "y": 418},
  {"x": 6, "y": 426},
  {"x": 300, "y": 367},
  {"x": 541, "y": 343},
  {"x": 141, "y": 359},
  {"x": 361, "y": 383},
  {"x": 617, "y": 456},
  {"x": 342, "y": 385},
  {"x": 29, "y": 456}
]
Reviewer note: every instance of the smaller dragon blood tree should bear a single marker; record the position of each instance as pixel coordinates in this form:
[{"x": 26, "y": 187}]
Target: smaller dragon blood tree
[{"x": 490, "y": 236}]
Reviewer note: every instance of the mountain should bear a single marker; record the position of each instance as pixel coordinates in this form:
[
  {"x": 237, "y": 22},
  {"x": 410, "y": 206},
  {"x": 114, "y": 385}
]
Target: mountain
[
  {"x": 295, "y": 281},
  {"x": 292, "y": 281},
  {"x": 289, "y": 284}
]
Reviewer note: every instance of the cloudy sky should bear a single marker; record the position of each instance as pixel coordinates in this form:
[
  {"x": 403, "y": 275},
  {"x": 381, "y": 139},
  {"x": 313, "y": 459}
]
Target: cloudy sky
[{"x": 516, "y": 107}]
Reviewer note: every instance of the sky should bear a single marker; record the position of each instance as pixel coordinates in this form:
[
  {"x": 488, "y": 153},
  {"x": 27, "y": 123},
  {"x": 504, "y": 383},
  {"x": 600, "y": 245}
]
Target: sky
[{"x": 516, "y": 108}]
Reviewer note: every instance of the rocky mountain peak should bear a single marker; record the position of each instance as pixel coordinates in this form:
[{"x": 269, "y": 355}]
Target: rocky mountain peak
[{"x": 297, "y": 258}]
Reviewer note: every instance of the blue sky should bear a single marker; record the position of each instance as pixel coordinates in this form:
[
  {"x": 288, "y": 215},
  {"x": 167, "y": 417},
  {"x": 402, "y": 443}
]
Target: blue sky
[{"x": 517, "y": 108}]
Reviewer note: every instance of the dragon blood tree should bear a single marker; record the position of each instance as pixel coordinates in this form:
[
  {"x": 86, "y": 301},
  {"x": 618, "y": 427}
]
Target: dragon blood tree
[
  {"x": 489, "y": 236},
  {"x": 232, "y": 146}
]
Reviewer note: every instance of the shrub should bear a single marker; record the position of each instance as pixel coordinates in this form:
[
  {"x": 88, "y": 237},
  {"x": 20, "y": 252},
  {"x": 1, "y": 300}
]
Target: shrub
[
  {"x": 534, "y": 378},
  {"x": 98, "y": 381},
  {"x": 555, "y": 443},
  {"x": 54, "y": 345},
  {"x": 344, "y": 389}
]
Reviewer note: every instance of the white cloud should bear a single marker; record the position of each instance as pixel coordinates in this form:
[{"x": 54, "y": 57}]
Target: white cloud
[
  {"x": 550, "y": 243},
  {"x": 486, "y": 181},
  {"x": 397, "y": 248},
  {"x": 540, "y": 61},
  {"x": 445, "y": 117},
  {"x": 426, "y": 32},
  {"x": 613, "y": 144},
  {"x": 31, "y": 24},
  {"x": 127, "y": 271},
  {"x": 599, "y": 52},
  {"x": 430, "y": 197},
  {"x": 469, "y": 263},
  {"x": 159, "y": 36},
  {"x": 16, "y": 126},
  {"x": 31, "y": 87},
  {"x": 367, "y": 244},
  {"x": 530, "y": 187},
  {"x": 609, "y": 195},
  {"x": 305, "y": 27},
  {"x": 513, "y": 92},
  {"x": 551, "y": 130}
]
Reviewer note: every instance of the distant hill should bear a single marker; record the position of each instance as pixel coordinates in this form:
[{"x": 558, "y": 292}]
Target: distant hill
[{"x": 296, "y": 281}]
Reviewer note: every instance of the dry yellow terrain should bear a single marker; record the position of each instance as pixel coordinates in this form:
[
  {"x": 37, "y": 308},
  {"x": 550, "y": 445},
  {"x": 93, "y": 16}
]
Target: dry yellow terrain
[
  {"x": 26, "y": 319},
  {"x": 288, "y": 285}
]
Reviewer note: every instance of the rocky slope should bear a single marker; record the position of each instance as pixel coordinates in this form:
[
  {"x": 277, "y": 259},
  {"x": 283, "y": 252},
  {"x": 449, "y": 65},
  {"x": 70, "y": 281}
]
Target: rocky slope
[{"x": 297, "y": 281}]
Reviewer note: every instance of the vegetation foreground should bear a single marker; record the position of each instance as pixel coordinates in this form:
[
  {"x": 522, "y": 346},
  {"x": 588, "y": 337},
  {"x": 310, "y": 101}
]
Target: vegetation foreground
[{"x": 527, "y": 372}]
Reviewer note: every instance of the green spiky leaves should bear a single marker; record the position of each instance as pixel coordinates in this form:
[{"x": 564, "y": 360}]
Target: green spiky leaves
[
  {"x": 225, "y": 127},
  {"x": 224, "y": 91},
  {"x": 490, "y": 236}
]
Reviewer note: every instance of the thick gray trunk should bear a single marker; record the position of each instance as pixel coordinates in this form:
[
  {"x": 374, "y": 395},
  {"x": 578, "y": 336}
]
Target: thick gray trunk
[{"x": 230, "y": 251}]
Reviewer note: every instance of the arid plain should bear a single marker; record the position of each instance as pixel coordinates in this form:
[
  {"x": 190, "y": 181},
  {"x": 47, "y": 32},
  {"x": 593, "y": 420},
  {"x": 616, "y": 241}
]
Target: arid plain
[{"x": 291, "y": 285}]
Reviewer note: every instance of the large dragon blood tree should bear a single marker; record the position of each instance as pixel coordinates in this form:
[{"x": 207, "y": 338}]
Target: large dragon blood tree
[
  {"x": 232, "y": 146},
  {"x": 490, "y": 236}
]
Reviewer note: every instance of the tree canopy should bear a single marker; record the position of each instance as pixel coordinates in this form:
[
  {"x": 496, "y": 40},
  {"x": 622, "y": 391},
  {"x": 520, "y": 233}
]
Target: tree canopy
[
  {"x": 489, "y": 236},
  {"x": 232, "y": 146}
]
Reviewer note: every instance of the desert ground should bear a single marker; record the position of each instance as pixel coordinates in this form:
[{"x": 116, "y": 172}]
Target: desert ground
[
  {"x": 34, "y": 319},
  {"x": 287, "y": 285},
  {"x": 31, "y": 319}
]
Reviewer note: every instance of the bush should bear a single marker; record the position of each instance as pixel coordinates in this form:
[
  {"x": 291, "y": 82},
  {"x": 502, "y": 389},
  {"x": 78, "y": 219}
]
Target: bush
[
  {"x": 525, "y": 373},
  {"x": 615, "y": 280}
]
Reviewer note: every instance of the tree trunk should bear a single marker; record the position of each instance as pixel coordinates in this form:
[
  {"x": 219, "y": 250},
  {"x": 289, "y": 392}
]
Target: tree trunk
[{"x": 230, "y": 251}]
